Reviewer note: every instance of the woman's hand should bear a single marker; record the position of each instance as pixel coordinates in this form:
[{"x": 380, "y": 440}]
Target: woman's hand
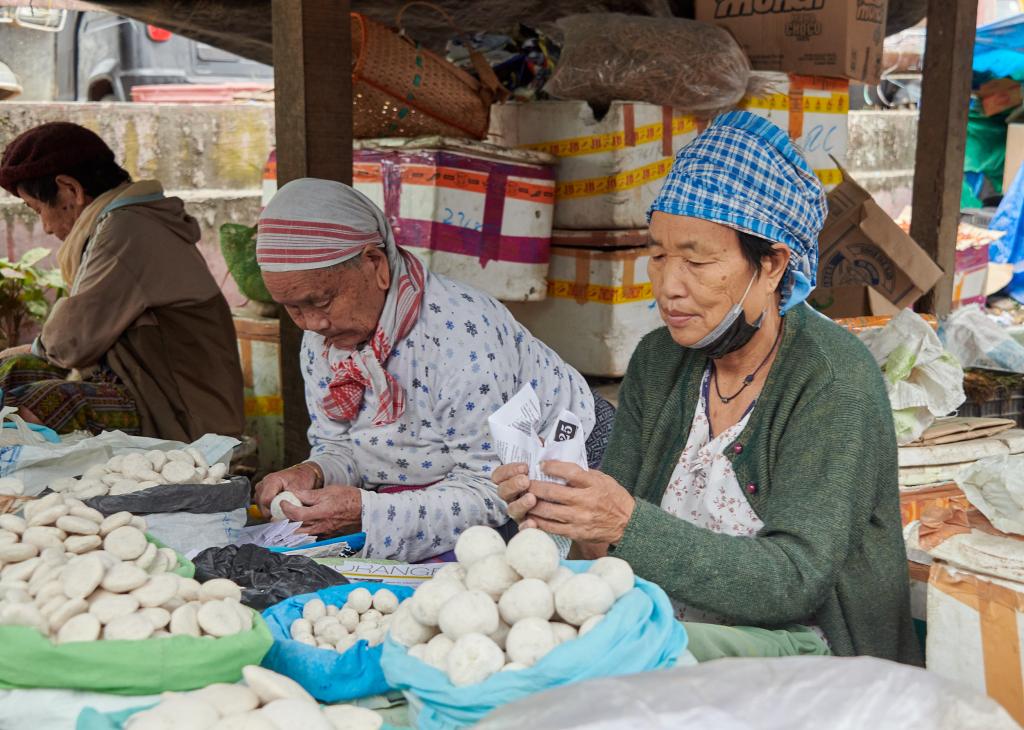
[
  {"x": 329, "y": 511},
  {"x": 513, "y": 485},
  {"x": 302, "y": 477},
  {"x": 591, "y": 508}
]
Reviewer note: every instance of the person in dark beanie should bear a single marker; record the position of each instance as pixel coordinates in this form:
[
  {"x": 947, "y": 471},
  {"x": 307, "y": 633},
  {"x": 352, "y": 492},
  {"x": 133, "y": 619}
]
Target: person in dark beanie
[{"x": 144, "y": 342}]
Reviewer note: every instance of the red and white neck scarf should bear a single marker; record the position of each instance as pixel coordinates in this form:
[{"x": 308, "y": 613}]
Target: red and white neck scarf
[{"x": 314, "y": 224}]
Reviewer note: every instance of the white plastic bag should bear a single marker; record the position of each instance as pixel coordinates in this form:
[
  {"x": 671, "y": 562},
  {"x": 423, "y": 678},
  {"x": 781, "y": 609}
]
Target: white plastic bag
[
  {"x": 188, "y": 532},
  {"x": 21, "y": 433},
  {"x": 796, "y": 693},
  {"x": 996, "y": 487},
  {"x": 978, "y": 342},
  {"x": 923, "y": 380},
  {"x": 36, "y": 465}
]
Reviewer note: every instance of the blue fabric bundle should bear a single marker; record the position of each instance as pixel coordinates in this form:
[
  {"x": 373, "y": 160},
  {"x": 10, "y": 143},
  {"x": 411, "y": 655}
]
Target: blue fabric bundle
[{"x": 327, "y": 675}]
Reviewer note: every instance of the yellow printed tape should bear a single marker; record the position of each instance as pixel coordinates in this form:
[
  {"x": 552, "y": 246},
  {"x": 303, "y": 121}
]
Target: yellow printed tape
[
  {"x": 831, "y": 104},
  {"x": 627, "y": 180},
  {"x": 590, "y": 187},
  {"x": 613, "y": 141},
  {"x": 263, "y": 405},
  {"x": 601, "y": 294}
]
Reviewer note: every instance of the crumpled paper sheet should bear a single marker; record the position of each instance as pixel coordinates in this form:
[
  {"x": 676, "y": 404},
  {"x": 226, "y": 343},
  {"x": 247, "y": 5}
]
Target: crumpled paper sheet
[
  {"x": 514, "y": 428},
  {"x": 996, "y": 487},
  {"x": 924, "y": 381}
]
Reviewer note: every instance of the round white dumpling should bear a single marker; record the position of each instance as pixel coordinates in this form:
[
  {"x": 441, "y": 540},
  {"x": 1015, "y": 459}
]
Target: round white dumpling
[
  {"x": 583, "y": 596},
  {"x": 349, "y": 618},
  {"x": 451, "y": 570},
  {"x": 559, "y": 578},
  {"x": 385, "y": 601},
  {"x": 314, "y": 610},
  {"x": 359, "y": 600},
  {"x": 473, "y": 659},
  {"x": 529, "y": 597},
  {"x": 437, "y": 651},
  {"x": 563, "y": 632},
  {"x": 407, "y": 631},
  {"x": 492, "y": 575},
  {"x": 617, "y": 572},
  {"x": 529, "y": 640},
  {"x": 587, "y": 626},
  {"x": 477, "y": 543},
  {"x": 499, "y": 636},
  {"x": 276, "y": 513},
  {"x": 472, "y": 612},
  {"x": 533, "y": 554},
  {"x": 426, "y": 602}
]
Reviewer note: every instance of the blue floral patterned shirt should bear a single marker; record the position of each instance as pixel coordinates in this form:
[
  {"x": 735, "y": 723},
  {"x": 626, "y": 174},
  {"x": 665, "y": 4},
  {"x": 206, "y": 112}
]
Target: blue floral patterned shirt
[{"x": 464, "y": 358}]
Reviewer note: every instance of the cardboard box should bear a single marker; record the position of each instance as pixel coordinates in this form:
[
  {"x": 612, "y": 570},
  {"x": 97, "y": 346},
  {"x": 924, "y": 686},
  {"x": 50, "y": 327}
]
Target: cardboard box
[
  {"x": 862, "y": 323},
  {"x": 974, "y": 633},
  {"x": 915, "y": 501},
  {"x": 259, "y": 347},
  {"x": 1014, "y": 154},
  {"x": 861, "y": 246},
  {"x": 970, "y": 279},
  {"x": 468, "y": 210},
  {"x": 999, "y": 95},
  {"x": 843, "y": 302},
  {"x": 813, "y": 37},
  {"x": 611, "y": 168},
  {"x": 599, "y": 301}
]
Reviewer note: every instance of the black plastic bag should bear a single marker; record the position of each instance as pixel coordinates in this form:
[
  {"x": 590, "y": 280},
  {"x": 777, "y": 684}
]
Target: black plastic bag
[
  {"x": 200, "y": 499},
  {"x": 266, "y": 577}
]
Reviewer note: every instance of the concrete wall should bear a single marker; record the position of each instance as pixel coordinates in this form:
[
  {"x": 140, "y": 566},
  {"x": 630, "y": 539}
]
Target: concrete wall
[
  {"x": 31, "y": 55},
  {"x": 210, "y": 155},
  {"x": 881, "y": 155}
]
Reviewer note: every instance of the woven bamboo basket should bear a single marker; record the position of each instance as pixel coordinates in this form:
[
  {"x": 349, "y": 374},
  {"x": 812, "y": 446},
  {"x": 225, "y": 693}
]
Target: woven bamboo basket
[{"x": 400, "y": 89}]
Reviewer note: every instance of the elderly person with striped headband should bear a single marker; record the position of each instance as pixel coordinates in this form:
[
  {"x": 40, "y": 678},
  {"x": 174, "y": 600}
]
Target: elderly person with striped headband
[
  {"x": 752, "y": 470},
  {"x": 402, "y": 368}
]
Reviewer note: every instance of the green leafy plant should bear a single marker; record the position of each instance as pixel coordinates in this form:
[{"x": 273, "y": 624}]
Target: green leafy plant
[{"x": 27, "y": 293}]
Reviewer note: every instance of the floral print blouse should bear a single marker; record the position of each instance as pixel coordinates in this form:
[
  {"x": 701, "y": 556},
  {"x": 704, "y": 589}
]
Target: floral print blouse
[
  {"x": 464, "y": 358},
  {"x": 704, "y": 490}
]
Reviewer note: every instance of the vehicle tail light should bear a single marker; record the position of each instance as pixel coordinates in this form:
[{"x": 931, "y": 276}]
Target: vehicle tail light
[{"x": 158, "y": 35}]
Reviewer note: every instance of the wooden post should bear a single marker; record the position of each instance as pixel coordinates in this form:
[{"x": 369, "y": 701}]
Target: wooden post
[
  {"x": 313, "y": 118},
  {"x": 941, "y": 139}
]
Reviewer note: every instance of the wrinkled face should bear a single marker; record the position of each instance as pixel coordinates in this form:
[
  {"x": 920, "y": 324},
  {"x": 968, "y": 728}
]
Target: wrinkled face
[
  {"x": 58, "y": 218},
  {"x": 698, "y": 272},
  {"x": 342, "y": 303}
]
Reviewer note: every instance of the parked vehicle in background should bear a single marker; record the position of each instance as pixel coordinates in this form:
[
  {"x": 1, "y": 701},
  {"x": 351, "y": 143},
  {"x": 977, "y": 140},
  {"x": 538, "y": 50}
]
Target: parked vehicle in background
[{"x": 102, "y": 57}]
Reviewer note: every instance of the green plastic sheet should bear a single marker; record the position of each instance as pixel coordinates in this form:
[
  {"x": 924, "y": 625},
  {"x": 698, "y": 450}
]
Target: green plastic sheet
[{"x": 30, "y": 660}]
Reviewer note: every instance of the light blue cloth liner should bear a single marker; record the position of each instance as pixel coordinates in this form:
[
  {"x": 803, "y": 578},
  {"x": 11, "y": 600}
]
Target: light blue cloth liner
[
  {"x": 325, "y": 674},
  {"x": 639, "y": 634}
]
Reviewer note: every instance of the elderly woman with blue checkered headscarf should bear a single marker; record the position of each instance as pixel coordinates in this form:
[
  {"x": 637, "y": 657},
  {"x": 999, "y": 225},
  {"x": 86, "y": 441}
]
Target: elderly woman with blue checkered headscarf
[{"x": 752, "y": 472}]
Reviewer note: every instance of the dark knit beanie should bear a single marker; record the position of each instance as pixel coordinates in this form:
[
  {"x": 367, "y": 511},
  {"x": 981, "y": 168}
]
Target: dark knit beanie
[{"x": 49, "y": 149}]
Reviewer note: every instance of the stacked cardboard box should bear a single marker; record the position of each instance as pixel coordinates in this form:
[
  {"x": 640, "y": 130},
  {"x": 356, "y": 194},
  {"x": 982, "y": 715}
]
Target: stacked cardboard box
[{"x": 610, "y": 168}]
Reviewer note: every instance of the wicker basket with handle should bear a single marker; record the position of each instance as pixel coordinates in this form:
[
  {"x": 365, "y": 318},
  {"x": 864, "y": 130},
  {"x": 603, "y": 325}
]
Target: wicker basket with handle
[{"x": 400, "y": 89}]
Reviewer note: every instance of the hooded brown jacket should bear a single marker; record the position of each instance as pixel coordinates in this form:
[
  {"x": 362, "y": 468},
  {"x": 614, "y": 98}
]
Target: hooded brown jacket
[{"x": 146, "y": 305}]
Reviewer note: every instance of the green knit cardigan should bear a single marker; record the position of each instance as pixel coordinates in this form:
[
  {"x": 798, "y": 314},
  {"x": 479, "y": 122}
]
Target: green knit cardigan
[{"x": 817, "y": 461}]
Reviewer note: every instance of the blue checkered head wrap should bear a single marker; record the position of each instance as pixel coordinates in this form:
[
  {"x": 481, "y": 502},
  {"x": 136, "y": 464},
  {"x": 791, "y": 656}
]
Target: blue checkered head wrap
[{"x": 745, "y": 173}]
